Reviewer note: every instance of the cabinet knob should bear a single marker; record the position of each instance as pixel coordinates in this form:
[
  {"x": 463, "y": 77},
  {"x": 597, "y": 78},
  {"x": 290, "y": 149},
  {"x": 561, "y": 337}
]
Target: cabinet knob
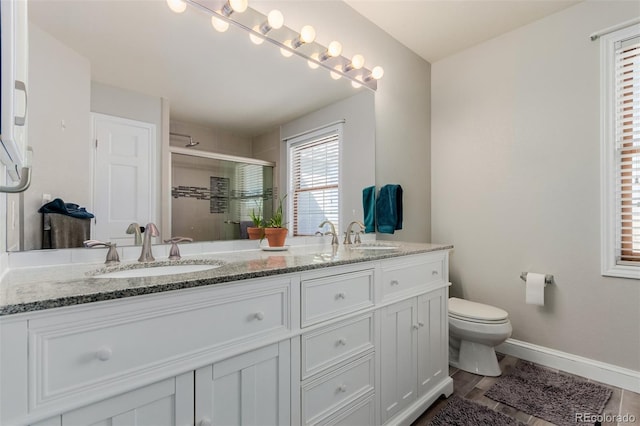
[
  {"x": 205, "y": 421},
  {"x": 341, "y": 296},
  {"x": 342, "y": 342},
  {"x": 104, "y": 353},
  {"x": 434, "y": 272},
  {"x": 342, "y": 388},
  {"x": 421, "y": 324},
  {"x": 394, "y": 282},
  {"x": 259, "y": 316},
  {"x": 415, "y": 326}
]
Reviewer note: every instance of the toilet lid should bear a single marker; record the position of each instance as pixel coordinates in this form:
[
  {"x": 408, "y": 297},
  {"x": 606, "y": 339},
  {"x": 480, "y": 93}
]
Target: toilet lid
[{"x": 466, "y": 309}]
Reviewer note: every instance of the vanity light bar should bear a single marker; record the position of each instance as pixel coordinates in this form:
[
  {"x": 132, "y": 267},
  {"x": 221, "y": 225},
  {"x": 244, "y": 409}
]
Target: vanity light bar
[{"x": 339, "y": 66}]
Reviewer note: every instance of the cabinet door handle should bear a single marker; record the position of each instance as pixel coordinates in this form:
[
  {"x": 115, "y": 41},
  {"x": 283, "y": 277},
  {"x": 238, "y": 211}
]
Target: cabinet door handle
[
  {"x": 342, "y": 342},
  {"x": 415, "y": 326},
  {"x": 104, "y": 353},
  {"x": 341, "y": 296},
  {"x": 421, "y": 324},
  {"x": 394, "y": 282},
  {"x": 205, "y": 421},
  {"x": 342, "y": 388},
  {"x": 434, "y": 272},
  {"x": 259, "y": 316}
]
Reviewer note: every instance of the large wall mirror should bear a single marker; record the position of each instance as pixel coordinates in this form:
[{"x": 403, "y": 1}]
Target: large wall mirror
[{"x": 139, "y": 62}]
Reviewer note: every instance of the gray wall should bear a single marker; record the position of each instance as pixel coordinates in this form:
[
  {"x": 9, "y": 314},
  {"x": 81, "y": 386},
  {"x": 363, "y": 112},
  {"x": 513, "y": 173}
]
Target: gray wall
[
  {"x": 59, "y": 90},
  {"x": 516, "y": 182}
]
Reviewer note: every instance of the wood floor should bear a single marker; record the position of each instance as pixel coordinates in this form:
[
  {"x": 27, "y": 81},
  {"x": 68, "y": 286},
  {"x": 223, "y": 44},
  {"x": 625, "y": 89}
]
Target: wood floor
[{"x": 472, "y": 386}]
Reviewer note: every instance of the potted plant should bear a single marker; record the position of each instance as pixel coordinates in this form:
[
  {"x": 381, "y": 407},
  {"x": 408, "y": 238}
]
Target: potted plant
[
  {"x": 275, "y": 230},
  {"x": 256, "y": 232}
]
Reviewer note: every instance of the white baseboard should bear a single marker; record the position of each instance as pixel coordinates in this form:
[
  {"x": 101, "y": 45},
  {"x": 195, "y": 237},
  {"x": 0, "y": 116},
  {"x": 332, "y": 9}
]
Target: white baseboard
[{"x": 599, "y": 371}]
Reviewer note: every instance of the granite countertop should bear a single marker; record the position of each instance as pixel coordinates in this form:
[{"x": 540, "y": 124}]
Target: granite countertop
[{"x": 38, "y": 288}]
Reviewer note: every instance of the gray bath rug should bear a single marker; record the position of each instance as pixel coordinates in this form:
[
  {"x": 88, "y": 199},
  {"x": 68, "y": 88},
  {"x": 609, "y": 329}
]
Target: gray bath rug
[
  {"x": 554, "y": 397},
  {"x": 463, "y": 412}
]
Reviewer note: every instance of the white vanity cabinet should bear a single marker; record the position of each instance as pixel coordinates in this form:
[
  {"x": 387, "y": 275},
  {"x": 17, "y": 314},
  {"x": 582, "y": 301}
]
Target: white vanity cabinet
[
  {"x": 248, "y": 389},
  {"x": 363, "y": 343}
]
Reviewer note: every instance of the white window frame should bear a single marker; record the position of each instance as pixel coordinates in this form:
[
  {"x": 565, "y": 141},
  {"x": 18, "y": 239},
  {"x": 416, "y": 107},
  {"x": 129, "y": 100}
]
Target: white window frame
[
  {"x": 609, "y": 263},
  {"x": 307, "y": 136}
]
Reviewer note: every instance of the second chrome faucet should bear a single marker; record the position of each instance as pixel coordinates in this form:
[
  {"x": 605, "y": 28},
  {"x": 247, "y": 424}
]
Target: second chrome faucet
[{"x": 151, "y": 230}]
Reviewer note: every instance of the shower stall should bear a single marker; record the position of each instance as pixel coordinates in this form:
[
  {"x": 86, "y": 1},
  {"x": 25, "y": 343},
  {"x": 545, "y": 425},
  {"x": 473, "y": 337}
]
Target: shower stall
[{"x": 213, "y": 195}]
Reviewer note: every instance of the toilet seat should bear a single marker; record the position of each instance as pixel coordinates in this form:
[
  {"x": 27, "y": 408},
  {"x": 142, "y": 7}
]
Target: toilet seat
[{"x": 466, "y": 310}]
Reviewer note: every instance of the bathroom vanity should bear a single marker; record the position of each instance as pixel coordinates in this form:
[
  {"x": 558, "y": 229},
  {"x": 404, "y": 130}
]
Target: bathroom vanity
[{"x": 312, "y": 335}]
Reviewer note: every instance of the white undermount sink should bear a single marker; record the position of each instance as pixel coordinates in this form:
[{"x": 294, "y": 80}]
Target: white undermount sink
[{"x": 155, "y": 271}]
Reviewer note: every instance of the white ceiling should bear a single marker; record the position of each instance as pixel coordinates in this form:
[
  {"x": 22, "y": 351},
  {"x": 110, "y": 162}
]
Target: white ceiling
[{"x": 435, "y": 29}]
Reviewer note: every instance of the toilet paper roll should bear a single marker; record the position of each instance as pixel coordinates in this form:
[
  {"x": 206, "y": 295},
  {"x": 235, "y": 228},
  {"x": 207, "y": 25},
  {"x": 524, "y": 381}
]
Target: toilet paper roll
[{"x": 535, "y": 289}]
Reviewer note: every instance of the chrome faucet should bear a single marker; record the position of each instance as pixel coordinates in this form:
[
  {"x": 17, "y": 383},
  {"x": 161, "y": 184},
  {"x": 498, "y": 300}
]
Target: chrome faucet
[
  {"x": 334, "y": 239},
  {"x": 134, "y": 228},
  {"x": 174, "y": 251},
  {"x": 149, "y": 231},
  {"x": 347, "y": 235},
  {"x": 112, "y": 254}
]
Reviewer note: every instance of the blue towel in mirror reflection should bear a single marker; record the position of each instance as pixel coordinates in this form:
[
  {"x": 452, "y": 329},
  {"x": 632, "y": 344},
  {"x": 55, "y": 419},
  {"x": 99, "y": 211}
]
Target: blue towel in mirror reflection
[
  {"x": 389, "y": 209},
  {"x": 369, "y": 208},
  {"x": 67, "y": 209}
]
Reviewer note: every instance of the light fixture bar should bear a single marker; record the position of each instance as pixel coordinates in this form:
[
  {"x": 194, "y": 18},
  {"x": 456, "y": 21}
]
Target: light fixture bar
[{"x": 361, "y": 77}]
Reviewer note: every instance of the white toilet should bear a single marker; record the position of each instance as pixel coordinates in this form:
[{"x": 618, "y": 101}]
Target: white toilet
[{"x": 474, "y": 330}]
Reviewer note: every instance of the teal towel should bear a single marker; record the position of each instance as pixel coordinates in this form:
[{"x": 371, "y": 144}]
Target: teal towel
[
  {"x": 389, "y": 209},
  {"x": 369, "y": 208}
]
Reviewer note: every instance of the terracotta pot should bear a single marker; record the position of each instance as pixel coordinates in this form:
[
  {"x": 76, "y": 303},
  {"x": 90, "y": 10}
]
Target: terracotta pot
[
  {"x": 255, "y": 233},
  {"x": 275, "y": 236}
]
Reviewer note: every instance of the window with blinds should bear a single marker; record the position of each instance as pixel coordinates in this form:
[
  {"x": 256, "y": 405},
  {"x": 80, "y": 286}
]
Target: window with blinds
[
  {"x": 253, "y": 185},
  {"x": 314, "y": 181},
  {"x": 620, "y": 56},
  {"x": 627, "y": 146}
]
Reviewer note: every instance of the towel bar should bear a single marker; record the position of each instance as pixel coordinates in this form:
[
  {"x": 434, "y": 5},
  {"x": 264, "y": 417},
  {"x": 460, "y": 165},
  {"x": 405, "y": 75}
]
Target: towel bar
[{"x": 548, "y": 279}]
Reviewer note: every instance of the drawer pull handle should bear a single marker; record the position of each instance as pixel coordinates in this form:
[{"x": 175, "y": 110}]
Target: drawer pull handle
[
  {"x": 341, "y": 296},
  {"x": 259, "y": 316},
  {"x": 205, "y": 422},
  {"x": 342, "y": 342},
  {"x": 342, "y": 388},
  {"x": 104, "y": 353},
  {"x": 394, "y": 282},
  {"x": 434, "y": 272}
]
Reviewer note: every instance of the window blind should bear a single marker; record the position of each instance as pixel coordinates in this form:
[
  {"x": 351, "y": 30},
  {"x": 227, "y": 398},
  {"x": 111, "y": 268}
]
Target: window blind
[
  {"x": 627, "y": 146},
  {"x": 315, "y": 172},
  {"x": 249, "y": 191}
]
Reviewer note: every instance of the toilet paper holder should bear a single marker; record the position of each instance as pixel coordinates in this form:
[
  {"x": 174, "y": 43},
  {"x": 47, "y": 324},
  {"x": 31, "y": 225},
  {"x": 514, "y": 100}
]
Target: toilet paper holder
[{"x": 548, "y": 279}]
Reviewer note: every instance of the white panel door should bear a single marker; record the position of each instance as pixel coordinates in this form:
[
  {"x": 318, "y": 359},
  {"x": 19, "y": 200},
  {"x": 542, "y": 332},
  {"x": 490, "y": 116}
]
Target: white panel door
[
  {"x": 166, "y": 403},
  {"x": 432, "y": 340},
  {"x": 124, "y": 182},
  {"x": 249, "y": 389},
  {"x": 398, "y": 353}
]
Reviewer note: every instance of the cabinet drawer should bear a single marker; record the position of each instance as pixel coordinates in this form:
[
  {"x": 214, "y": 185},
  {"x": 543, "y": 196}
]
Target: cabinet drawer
[
  {"x": 399, "y": 278},
  {"x": 331, "y": 345},
  {"x": 359, "y": 413},
  {"x": 337, "y": 389},
  {"x": 328, "y": 297},
  {"x": 104, "y": 347}
]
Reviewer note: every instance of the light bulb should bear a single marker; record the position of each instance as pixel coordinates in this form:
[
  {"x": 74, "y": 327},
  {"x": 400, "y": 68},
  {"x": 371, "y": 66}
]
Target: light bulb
[
  {"x": 377, "y": 72},
  {"x": 254, "y": 38},
  {"x": 219, "y": 25},
  {"x": 239, "y": 5},
  {"x": 336, "y": 75},
  {"x": 355, "y": 84},
  {"x": 334, "y": 49},
  {"x": 307, "y": 34},
  {"x": 275, "y": 19},
  {"x": 284, "y": 52},
  {"x": 178, "y": 6},
  {"x": 357, "y": 61},
  {"x": 313, "y": 65}
]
